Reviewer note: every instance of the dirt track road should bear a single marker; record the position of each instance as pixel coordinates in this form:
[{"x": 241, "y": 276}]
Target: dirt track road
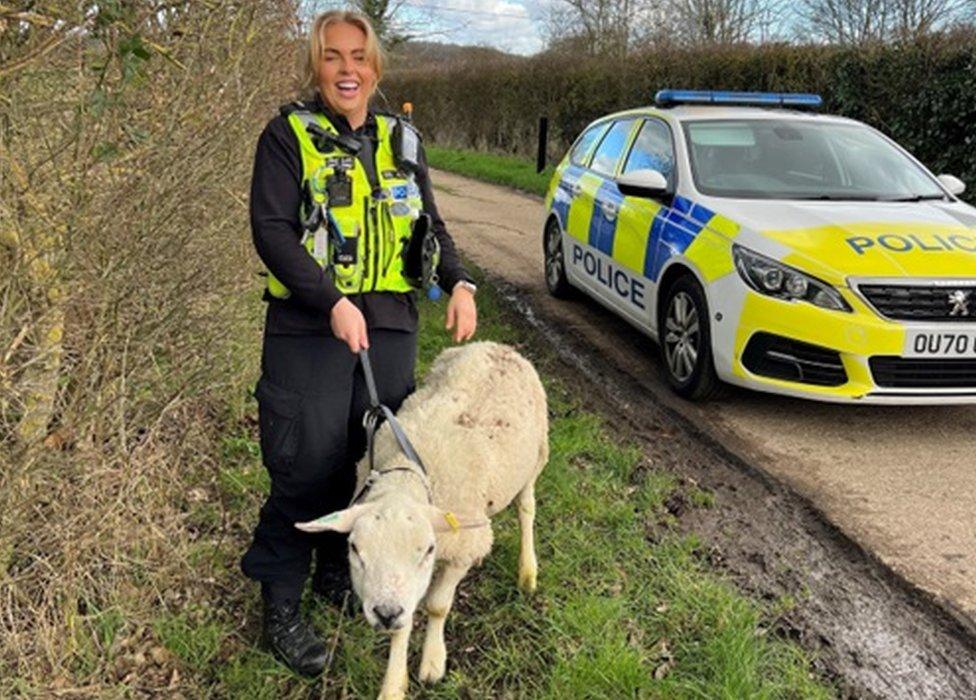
[{"x": 899, "y": 481}]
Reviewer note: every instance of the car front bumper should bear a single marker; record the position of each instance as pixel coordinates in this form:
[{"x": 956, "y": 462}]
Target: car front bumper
[{"x": 797, "y": 349}]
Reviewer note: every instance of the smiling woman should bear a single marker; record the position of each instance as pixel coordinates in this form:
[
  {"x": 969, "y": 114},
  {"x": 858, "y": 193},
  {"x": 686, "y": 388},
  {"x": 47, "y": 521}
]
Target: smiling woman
[
  {"x": 344, "y": 62},
  {"x": 339, "y": 207}
]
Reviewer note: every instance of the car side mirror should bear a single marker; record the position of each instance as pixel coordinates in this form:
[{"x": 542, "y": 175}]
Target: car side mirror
[
  {"x": 646, "y": 183},
  {"x": 952, "y": 183}
]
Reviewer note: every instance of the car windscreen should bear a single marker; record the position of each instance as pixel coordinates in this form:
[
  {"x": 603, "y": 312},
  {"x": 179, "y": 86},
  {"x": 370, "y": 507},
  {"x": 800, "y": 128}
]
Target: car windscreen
[{"x": 797, "y": 159}]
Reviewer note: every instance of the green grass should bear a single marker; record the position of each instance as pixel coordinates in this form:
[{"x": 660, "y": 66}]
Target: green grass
[
  {"x": 95, "y": 635},
  {"x": 615, "y": 615},
  {"x": 192, "y": 637},
  {"x": 502, "y": 170}
]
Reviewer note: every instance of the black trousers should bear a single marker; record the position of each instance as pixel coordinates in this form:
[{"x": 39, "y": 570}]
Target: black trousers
[{"x": 311, "y": 399}]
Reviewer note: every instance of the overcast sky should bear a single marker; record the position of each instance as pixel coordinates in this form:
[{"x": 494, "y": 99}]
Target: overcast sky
[{"x": 510, "y": 25}]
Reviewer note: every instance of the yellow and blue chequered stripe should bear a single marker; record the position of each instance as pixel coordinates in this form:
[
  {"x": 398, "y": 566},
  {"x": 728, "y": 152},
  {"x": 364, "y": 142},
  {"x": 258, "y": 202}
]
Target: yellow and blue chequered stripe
[
  {"x": 658, "y": 232},
  {"x": 673, "y": 230},
  {"x": 602, "y": 230},
  {"x": 561, "y": 198}
]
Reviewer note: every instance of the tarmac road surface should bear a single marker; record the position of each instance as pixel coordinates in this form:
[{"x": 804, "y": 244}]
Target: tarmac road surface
[{"x": 900, "y": 481}]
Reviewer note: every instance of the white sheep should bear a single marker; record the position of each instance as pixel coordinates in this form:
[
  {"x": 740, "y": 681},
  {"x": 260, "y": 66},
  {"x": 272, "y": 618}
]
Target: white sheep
[{"x": 480, "y": 426}]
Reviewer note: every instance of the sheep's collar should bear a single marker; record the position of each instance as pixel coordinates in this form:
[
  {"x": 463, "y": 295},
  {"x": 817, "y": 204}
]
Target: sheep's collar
[
  {"x": 371, "y": 421},
  {"x": 374, "y": 476}
]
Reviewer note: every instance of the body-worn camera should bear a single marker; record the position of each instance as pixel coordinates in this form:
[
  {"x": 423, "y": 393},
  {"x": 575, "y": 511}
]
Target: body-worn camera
[
  {"x": 406, "y": 146},
  {"x": 338, "y": 187}
]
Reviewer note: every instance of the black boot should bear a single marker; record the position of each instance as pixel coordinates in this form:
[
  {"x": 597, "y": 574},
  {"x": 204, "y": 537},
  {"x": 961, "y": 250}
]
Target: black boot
[
  {"x": 331, "y": 581},
  {"x": 292, "y": 639}
]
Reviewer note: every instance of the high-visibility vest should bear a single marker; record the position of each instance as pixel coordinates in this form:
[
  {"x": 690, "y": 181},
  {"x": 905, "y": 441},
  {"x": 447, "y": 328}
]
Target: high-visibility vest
[{"x": 379, "y": 222}]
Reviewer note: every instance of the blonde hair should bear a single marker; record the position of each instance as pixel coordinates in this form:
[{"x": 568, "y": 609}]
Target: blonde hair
[{"x": 374, "y": 52}]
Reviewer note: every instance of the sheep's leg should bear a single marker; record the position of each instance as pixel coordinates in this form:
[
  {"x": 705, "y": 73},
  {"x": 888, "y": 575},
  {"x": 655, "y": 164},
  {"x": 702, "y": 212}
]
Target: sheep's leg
[
  {"x": 528, "y": 567},
  {"x": 440, "y": 597},
  {"x": 395, "y": 680}
]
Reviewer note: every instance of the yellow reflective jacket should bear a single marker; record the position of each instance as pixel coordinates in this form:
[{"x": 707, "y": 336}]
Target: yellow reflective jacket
[{"x": 376, "y": 225}]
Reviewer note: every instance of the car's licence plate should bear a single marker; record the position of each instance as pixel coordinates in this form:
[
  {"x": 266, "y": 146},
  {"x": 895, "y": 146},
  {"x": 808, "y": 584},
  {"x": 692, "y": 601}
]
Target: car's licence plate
[{"x": 922, "y": 343}]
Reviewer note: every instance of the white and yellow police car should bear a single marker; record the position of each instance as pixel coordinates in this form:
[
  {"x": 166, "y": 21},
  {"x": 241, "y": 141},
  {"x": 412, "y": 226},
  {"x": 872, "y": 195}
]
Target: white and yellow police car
[{"x": 771, "y": 247}]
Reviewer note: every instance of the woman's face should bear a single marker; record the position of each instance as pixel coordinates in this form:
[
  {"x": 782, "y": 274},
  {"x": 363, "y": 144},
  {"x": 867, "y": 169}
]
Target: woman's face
[{"x": 346, "y": 77}]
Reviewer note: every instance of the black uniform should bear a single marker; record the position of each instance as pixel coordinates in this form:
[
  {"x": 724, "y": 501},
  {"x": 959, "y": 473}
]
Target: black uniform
[{"x": 312, "y": 394}]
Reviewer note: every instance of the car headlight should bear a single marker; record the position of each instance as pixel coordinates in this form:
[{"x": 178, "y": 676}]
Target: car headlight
[{"x": 775, "y": 279}]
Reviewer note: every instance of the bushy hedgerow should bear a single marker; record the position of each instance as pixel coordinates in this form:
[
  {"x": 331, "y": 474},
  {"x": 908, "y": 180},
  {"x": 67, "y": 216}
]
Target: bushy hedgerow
[{"x": 922, "y": 94}]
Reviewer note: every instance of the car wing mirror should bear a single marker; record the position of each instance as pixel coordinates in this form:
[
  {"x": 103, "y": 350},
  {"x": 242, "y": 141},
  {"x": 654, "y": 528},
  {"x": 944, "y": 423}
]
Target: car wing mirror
[
  {"x": 647, "y": 183},
  {"x": 952, "y": 183}
]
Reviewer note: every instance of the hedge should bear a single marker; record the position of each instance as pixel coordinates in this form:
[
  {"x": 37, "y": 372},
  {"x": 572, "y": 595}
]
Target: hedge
[{"x": 922, "y": 94}]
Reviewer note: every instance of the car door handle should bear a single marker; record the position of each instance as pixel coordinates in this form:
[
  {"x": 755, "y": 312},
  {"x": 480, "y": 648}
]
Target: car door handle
[
  {"x": 574, "y": 189},
  {"x": 610, "y": 210}
]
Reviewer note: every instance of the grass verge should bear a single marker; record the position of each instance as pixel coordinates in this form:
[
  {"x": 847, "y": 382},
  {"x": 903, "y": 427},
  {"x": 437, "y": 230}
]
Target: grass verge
[
  {"x": 502, "y": 170},
  {"x": 626, "y": 607},
  {"x": 616, "y": 615}
]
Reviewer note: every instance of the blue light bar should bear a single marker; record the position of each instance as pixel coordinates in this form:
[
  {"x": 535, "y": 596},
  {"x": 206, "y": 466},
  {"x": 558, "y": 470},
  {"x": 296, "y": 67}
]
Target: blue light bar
[{"x": 668, "y": 98}]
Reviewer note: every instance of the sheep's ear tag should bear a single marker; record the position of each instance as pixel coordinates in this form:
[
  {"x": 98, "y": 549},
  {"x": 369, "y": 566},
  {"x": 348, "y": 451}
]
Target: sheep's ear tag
[{"x": 452, "y": 521}]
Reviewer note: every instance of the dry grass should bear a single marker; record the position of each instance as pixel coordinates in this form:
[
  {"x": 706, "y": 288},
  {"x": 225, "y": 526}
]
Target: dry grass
[{"x": 126, "y": 134}]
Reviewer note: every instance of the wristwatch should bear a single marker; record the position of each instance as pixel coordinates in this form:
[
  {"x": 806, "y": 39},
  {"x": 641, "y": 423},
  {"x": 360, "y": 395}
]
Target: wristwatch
[{"x": 470, "y": 286}]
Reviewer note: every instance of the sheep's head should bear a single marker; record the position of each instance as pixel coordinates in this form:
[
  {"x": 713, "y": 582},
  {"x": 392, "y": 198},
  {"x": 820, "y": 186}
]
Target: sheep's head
[{"x": 391, "y": 555}]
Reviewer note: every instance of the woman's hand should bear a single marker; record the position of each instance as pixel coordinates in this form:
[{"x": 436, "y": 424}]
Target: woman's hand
[
  {"x": 349, "y": 325},
  {"x": 462, "y": 315}
]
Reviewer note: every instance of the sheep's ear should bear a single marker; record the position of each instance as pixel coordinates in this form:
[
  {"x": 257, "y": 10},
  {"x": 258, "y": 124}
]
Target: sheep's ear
[
  {"x": 339, "y": 521},
  {"x": 446, "y": 521}
]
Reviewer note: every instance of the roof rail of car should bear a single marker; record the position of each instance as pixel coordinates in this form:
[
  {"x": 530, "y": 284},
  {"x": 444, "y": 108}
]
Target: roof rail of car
[{"x": 670, "y": 98}]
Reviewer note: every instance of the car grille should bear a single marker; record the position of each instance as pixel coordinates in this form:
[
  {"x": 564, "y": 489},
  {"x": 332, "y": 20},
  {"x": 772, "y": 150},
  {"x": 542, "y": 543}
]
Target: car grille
[
  {"x": 904, "y": 302},
  {"x": 927, "y": 373},
  {"x": 777, "y": 357}
]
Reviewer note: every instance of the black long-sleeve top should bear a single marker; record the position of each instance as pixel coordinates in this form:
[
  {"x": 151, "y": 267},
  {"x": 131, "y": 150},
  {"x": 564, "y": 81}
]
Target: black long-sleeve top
[{"x": 275, "y": 200}]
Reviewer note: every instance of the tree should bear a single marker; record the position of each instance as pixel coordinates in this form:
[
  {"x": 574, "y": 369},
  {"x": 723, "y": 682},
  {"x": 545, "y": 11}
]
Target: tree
[
  {"x": 910, "y": 19},
  {"x": 861, "y": 21},
  {"x": 716, "y": 21},
  {"x": 390, "y": 28},
  {"x": 599, "y": 27},
  {"x": 845, "y": 21},
  {"x": 614, "y": 27},
  {"x": 388, "y": 17}
]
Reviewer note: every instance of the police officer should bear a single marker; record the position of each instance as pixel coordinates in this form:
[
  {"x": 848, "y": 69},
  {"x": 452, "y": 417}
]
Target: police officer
[{"x": 333, "y": 205}]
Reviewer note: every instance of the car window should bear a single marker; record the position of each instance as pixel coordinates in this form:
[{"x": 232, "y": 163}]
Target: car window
[
  {"x": 652, "y": 150},
  {"x": 608, "y": 152},
  {"x": 583, "y": 147}
]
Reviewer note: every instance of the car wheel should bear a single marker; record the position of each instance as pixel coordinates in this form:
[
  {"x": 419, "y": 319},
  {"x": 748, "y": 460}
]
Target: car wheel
[
  {"x": 555, "y": 261},
  {"x": 686, "y": 344}
]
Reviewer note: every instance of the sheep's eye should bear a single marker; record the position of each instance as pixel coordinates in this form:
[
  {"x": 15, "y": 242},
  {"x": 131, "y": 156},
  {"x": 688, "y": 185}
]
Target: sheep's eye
[
  {"x": 430, "y": 550},
  {"x": 355, "y": 551}
]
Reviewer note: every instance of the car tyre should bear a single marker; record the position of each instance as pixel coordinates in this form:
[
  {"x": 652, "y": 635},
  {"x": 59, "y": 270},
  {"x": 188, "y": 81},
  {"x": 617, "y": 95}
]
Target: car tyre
[
  {"x": 686, "y": 343},
  {"x": 555, "y": 261}
]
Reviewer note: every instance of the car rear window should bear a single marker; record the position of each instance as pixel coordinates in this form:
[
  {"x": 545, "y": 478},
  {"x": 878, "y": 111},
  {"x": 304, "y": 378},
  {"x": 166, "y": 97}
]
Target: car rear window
[{"x": 581, "y": 151}]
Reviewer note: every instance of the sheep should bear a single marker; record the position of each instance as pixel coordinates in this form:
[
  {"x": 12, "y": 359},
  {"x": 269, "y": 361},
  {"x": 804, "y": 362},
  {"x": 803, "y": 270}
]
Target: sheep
[{"x": 480, "y": 426}]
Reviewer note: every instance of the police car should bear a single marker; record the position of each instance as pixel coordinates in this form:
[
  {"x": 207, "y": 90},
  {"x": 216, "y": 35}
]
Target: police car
[{"x": 771, "y": 247}]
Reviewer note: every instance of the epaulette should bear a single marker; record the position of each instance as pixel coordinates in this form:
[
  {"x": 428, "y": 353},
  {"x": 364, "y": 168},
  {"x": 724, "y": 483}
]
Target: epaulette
[{"x": 293, "y": 106}]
